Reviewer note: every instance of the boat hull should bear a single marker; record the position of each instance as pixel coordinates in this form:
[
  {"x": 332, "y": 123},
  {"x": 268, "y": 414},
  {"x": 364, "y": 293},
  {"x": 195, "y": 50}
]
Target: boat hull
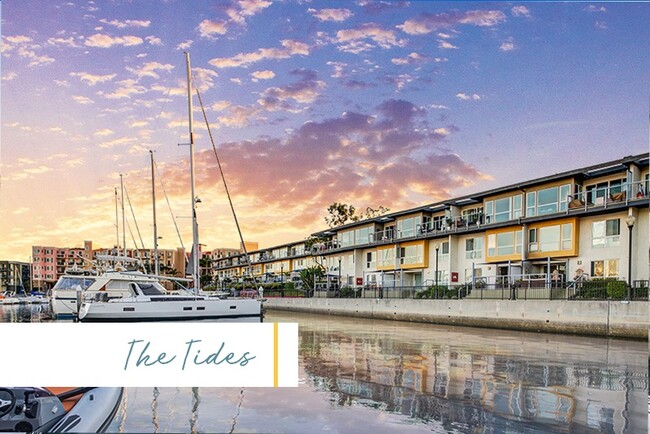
[
  {"x": 93, "y": 413},
  {"x": 188, "y": 310}
]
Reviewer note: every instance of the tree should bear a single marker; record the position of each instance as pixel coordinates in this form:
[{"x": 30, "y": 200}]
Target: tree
[
  {"x": 372, "y": 213},
  {"x": 339, "y": 214},
  {"x": 309, "y": 276}
]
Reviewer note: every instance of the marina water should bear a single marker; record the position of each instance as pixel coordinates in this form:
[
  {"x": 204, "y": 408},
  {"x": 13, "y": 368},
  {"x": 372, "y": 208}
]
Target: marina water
[{"x": 360, "y": 375}]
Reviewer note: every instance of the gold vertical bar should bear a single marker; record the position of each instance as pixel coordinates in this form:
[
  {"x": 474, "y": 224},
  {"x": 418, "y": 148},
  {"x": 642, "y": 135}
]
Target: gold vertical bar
[{"x": 275, "y": 354}]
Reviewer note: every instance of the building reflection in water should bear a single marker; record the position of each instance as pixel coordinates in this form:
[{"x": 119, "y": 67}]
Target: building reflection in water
[{"x": 473, "y": 380}]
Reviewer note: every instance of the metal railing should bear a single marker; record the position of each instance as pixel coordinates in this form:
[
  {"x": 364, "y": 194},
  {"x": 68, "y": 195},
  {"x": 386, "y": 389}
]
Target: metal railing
[{"x": 596, "y": 289}]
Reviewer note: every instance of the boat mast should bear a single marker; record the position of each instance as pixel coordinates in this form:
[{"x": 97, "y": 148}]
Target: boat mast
[
  {"x": 123, "y": 217},
  {"x": 155, "y": 227},
  {"x": 195, "y": 226},
  {"x": 117, "y": 227}
]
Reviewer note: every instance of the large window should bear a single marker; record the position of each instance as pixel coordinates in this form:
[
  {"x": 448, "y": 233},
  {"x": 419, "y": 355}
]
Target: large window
[
  {"x": 551, "y": 238},
  {"x": 504, "y": 243},
  {"x": 473, "y": 248},
  {"x": 411, "y": 255},
  {"x": 407, "y": 227},
  {"x": 606, "y": 233},
  {"x": 346, "y": 238},
  {"x": 548, "y": 201},
  {"x": 386, "y": 258},
  {"x": 362, "y": 235},
  {"x": 604, "y": 268},
  {"x": 504, "y": 209}
]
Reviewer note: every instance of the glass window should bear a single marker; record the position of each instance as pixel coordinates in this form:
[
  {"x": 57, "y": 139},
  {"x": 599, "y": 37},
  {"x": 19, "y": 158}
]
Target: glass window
[
  {"x": 606, "y": 233},
  {"x": 445, "y": 248},
  {"x": 473, "y": 215},
  {"x": 531, "y": 204},
  {"x": 565, "y": 192},
  {"x": 567, "y": 236},
  {"x": 532, "y": 240},
  {"x": 346, "y": 238},
  {"x": 502, "y": 210},
  {"x": 489, "y": 209},
  {"x": 516, "y": 206},
  {"x": 505, "y": 243},
  {"x": 386, "y": 257},
  {"x": 407, "y": 227},
  {"x": 362, "y": 236},
  {"x": 604, "y": 268},
  {"x": 549, "y": 238},
  {"x": 473, "y": 248},
  {"x": 547, "y": 201},
  {"x": 492, "y": 245},
  {"x": 410, "y": 255}
]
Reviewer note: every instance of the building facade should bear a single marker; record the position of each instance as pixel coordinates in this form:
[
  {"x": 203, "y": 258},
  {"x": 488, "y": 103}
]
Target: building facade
[
  {"x": 590, "y": 221},
  {"x": 15, "y": 277},
  {"x": 49, "y": 263}
]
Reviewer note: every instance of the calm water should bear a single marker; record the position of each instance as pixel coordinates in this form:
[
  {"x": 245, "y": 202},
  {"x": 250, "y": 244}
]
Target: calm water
[{"x": 391, "y": 377}]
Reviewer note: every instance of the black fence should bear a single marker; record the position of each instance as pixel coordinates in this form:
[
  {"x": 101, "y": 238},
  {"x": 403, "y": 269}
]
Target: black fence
[{"x": 595, "y": 289}]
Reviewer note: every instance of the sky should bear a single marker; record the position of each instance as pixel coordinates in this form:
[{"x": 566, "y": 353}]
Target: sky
[{"x": 368, "y": 103}]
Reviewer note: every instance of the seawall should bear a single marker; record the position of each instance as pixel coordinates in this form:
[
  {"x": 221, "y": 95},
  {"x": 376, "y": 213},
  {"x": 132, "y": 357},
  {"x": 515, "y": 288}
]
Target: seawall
[{"x": 619, "y": 319}]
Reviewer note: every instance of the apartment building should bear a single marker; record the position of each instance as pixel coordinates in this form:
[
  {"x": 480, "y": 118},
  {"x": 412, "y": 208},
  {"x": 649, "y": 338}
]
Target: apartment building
[
  {"x": 590, "y": 221},
  {"x": 49, "y": 262},
  {"x": 14, "y": 277}
]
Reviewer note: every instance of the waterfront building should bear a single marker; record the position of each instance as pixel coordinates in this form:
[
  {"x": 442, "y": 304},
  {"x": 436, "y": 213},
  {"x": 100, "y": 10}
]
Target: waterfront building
[
  {"x": 49, "y": 263},
  {"x": 15, "y": 277},
  {"x": 590, "y": 221}
]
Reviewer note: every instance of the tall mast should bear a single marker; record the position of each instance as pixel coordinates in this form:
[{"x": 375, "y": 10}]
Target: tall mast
[
  {"x": 123, "y": 217},
  {"x": 117, "y": 227},
  {"x": 155, "y": 227},
  {"x": 195, "y": 226}
]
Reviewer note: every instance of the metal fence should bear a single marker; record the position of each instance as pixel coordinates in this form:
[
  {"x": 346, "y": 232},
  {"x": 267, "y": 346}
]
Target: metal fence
[{"x": 605, "y": 289}]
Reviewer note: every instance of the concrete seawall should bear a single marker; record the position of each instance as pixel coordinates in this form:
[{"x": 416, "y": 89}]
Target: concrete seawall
[{"x": 593, "y": 318}]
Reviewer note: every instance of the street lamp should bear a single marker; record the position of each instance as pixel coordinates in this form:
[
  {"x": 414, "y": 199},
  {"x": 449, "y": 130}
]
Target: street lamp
[
  {"x": 338, "y": 285},
  {"x": 437, "y": 247},
  {"x": 630, "y": 220}
]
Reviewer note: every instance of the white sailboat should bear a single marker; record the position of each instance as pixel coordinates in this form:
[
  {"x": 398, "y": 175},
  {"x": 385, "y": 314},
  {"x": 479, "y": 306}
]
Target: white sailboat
[{"x": 147, "y": 300}]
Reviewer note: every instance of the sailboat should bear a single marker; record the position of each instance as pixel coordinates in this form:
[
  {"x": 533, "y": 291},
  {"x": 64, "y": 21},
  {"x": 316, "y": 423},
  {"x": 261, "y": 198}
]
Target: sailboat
[{"x": 148, "y": 301}]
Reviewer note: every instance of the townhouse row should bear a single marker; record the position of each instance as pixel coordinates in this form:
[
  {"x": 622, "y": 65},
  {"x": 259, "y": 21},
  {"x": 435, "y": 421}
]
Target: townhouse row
[{"x": 587, "y": 222}]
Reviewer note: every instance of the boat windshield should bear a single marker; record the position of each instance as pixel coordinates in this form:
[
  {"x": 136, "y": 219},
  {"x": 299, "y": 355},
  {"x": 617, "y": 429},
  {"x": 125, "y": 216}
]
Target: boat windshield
[
  {"x": 150, "y": 289},
  {"x": 74, "y": 283}
]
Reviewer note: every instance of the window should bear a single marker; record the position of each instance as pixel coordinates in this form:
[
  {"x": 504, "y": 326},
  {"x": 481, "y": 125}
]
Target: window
[
  {"x": 473, "y": 248},
  {"x": 505, "y": 243},
  {"x": 407, "y": 227},
  {"x": 547, "y": 201},
  {"x": 346, "y": 238},
  {"x": 410, "y": 255},
  {"x": 362, "y": 236},
  {"x": 597, "y": 193},
  {"x": 386, "y": 257},
  {"x": 604, "y": 268},
  {"x": 551, "y": 238},
  {"x": 606, "y": 233},
  {"x": 370, "y": 260},
  {"x": 504, "y": 209},
  {"x": 444, "y": 248},
  {"x": 473, "y": 216}
]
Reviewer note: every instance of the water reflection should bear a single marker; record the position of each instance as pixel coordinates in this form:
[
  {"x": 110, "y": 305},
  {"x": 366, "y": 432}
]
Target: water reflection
[
  {"x": 477, "y": 380},
  {"x": 25, "y": 313},
  {"x": 391, "y": 377}
]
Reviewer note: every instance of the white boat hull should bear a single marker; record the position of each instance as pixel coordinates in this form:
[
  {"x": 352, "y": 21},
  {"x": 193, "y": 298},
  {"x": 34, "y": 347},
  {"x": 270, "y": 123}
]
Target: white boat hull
[{"x": 168, "y": 309}]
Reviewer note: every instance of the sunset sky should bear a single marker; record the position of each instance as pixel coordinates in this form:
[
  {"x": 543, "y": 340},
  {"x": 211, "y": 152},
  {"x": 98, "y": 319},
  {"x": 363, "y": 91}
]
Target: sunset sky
[{"x": 364, "y": 102}]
